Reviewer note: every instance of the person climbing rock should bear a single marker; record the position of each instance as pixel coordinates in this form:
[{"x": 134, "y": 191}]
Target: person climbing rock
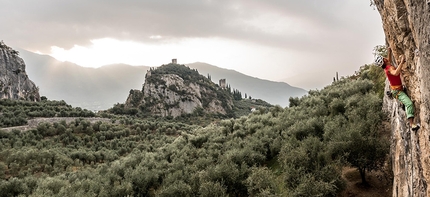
[{"x": 396, "y": 86}]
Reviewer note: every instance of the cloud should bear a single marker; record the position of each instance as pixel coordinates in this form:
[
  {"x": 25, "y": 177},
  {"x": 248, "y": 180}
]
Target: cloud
[
  {"x": 296, "y": 36},
  {"x": 44, "y": 23}
]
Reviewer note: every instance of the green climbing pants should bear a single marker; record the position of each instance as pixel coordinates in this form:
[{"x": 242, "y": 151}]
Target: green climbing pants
[{"x": 409, "y": 106}]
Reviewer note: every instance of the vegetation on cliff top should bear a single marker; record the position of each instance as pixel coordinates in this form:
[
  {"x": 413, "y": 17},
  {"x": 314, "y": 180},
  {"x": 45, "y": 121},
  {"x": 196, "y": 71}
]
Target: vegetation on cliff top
[{"x": 4, "y": 46}]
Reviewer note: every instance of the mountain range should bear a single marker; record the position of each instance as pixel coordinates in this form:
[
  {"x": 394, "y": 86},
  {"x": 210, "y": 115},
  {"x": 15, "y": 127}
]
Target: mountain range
[
  {"x": 101, "y": 88},
  {"x": 276, "y": 93}
]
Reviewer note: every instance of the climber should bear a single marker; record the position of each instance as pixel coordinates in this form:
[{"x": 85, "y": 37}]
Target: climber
[{"x": 393, "y": 75}]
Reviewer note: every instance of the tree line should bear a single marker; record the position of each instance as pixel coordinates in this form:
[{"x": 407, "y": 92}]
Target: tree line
[{"x": 17, "y": 112}]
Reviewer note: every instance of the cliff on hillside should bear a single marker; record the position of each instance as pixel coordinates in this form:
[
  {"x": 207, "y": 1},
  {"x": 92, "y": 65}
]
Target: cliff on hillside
[
  {"x": 174, "y": 90},
  {"x": 406, "y": 26},
  {"x": 14, "y": 82}
]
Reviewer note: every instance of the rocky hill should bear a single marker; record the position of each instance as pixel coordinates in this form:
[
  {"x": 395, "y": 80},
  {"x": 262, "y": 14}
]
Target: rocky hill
[
  {"x": 174, "y": 90},
  {"x": 14, "y": 81},
  {"x": 406, "y": 26}
]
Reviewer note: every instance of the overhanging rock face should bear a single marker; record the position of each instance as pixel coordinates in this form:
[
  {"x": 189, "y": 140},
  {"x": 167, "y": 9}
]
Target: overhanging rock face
[
  {"x": 406, "y": 153},
  {"x": 406, "y": 25},
  {"x": 14, "y": 82}
]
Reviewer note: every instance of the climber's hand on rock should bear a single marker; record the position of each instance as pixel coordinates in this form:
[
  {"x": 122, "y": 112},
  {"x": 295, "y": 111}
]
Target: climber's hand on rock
[{"x": 400, "y": 60}]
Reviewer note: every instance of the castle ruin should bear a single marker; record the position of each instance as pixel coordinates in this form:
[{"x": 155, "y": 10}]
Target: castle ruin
[{"x": 222, "y": 83}]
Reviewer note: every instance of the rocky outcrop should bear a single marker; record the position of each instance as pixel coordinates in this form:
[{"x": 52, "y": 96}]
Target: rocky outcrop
[
  {"x": 406, "y": 26},
  {"x": 14, "y": 82},
  {"x": 174, "y": 93}
]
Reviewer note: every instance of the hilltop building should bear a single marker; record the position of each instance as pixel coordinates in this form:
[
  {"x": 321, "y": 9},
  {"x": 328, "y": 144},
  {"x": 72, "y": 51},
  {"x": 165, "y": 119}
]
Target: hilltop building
[{"x": 222, "y": 83}]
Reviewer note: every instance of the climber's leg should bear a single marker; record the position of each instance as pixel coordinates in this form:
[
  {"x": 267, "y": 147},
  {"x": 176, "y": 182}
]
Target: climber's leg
[{"x": 409, "y": 106}]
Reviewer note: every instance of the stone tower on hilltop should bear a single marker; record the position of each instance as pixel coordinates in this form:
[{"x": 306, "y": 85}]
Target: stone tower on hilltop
[{"x": 222, "y": 83}]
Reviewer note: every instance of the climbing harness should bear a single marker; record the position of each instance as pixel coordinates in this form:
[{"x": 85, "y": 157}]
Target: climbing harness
[
  {"x": 398, "y": 87},
  {"x": 396, "y": 91}
]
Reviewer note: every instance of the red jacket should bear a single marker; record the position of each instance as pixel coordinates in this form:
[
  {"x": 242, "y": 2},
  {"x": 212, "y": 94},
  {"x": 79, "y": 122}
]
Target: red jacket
[{"x": 394, "y": 80}]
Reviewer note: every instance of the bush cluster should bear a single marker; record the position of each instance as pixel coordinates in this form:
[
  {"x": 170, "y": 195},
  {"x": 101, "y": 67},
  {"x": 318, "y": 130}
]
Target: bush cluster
[{"x": 17, "y": 112}]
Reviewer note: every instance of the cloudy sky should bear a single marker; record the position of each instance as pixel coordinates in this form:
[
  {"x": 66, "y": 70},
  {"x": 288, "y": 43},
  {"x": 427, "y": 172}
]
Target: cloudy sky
[{"x": 301, "y": 42}]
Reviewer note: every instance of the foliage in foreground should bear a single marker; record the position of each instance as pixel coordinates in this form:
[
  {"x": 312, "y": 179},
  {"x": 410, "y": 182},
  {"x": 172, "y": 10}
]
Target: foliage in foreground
[{"x": 296, "y": 151}]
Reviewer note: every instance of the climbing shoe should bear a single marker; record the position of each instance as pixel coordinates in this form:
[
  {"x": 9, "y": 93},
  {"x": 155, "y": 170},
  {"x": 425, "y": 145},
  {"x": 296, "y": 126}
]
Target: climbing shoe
[{"x": 415, "y": 127}]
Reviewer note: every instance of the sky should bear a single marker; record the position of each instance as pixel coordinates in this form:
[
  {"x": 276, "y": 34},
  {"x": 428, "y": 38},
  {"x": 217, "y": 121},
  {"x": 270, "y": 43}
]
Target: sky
[{"x": 301, "y": 42}]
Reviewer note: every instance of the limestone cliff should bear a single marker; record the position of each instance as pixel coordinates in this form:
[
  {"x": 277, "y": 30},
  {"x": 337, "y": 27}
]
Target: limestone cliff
[
  {"x": 406, "y": 26},
  {"x": 174, "y": 90},
  {"x": 14, "y": 82}
]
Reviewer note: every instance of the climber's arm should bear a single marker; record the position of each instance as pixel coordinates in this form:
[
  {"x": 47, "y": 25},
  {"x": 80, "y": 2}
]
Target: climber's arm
[
  {"x": 398, "y": 70},
  {"x": 389, "y": 55}
]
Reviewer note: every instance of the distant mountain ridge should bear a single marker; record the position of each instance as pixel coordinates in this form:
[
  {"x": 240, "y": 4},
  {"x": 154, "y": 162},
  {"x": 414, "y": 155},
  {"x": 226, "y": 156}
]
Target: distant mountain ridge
[
  {"x": 101, "y": 88},
  {"x": 276, "y": 93},
  {"x": 89, "y": 88}
]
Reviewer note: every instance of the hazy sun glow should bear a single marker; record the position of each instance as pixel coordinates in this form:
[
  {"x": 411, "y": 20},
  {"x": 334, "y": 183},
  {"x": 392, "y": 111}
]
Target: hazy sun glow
[
  {"x": 108, "y": 51},
  {"x": 215, "y": 51}
]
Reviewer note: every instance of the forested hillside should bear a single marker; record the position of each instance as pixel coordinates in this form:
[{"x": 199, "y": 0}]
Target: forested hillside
[
  {"x": 295, "y": 151},
  {"x": 18, "y": 112}
]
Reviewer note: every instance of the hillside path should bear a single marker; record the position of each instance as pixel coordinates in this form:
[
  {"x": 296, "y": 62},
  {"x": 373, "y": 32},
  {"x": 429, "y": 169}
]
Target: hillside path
[{"x": 32, "y": 123}]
